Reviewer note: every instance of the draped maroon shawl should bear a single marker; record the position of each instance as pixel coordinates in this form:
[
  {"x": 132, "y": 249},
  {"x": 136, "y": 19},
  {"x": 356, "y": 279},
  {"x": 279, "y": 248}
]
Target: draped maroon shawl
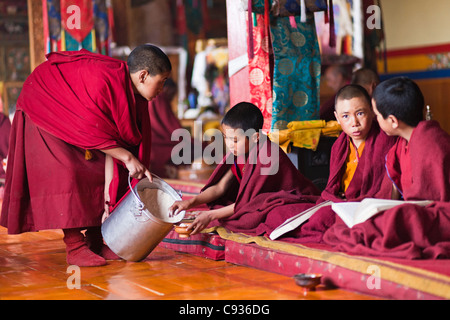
[
  {"x": 83, "y": 98},
  {"x": 260, "y": 194},
  {"x": 409, "y": 231},
  {"x": 366, "y": 182},
  {"x": 72, "y": 102}
]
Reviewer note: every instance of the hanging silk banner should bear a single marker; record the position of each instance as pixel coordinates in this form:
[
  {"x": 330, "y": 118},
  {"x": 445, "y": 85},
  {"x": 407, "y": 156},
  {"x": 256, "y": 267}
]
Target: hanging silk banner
[
  {"x": 77, "y": 18},
  {"x": 291, "y": 91},
  {"x": 104, "y": 24},
  {"x": 76, "y": 24},
  {"x": 52, "y": 24},
  {"x": 259, "y": 71},
  {"x": 297, "y": 70}
]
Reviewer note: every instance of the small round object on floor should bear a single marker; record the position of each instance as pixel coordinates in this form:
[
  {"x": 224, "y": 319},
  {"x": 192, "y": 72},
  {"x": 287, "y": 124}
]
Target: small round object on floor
[{"x": 308, "y": 281}]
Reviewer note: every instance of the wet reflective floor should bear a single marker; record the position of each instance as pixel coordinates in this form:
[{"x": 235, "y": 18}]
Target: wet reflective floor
[{"x": 33, "y": 267}]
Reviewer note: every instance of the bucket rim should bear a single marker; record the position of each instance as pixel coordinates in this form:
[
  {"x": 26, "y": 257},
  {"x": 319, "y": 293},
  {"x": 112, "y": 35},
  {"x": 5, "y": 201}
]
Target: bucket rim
[{"x": 162, "y": 185}]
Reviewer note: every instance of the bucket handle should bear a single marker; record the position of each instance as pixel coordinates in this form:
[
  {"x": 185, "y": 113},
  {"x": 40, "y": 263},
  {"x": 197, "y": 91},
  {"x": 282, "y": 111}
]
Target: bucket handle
[{"x": 139, "y": 204}]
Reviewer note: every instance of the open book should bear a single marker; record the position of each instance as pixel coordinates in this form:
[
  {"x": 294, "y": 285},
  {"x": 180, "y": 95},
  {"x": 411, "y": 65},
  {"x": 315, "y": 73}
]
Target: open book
[
  {"x": 356, "y": 212},
  {"x": 292, "y": 223}
]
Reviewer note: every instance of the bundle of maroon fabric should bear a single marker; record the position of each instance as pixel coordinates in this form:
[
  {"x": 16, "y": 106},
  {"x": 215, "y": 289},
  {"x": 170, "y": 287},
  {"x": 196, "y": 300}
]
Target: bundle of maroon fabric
[{"x": 408, "y": 231}]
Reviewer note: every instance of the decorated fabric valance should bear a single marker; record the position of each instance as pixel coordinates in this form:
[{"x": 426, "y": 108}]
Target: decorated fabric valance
[
  {"x": 76, "y": 24},
  {"x": 289, "y": 7}
]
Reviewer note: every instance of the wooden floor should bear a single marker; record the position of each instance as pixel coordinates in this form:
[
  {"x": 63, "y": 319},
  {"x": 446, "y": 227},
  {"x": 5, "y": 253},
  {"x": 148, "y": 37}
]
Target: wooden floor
[{"x": 33, "y": 267}]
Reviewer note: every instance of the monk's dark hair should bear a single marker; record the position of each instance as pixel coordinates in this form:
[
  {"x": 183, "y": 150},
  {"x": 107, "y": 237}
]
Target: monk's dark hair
[
  {"x": 402, "y": 98},
  {"x": 351, "y": 91},
  {"x": 149, "y": 57},
  {"x": 365, "y": 76},
  {"x": 245, "y": 116},
  {"x": 340, "y": 69}
]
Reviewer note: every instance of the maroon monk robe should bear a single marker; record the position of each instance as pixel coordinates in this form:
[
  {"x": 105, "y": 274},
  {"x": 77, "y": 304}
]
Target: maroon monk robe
[
  {"x": 164, "y": 123},
  {"x": 5, "y": 128},
  {"x": 72, "y": 102},
  {"x": 370, "y": 172},
  {"x": 259, "y": 194},
  {"x": 119, "y": 183},
  {"x": 366, "y": 182},
  {"x": 409, "y": 231},
  {"x": 83, "y": 98}
]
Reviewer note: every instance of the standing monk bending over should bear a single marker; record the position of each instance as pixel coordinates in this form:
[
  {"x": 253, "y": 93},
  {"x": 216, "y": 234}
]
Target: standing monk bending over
[{"x": 73, "y": 109}]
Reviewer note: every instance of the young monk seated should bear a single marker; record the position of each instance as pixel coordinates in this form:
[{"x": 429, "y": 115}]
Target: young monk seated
[
  {"x": 356, "y": 161},
  {"x": 418, "y": 168},
  {"x": 255, "y": 178},
  {"x": 358, "y": 155}
]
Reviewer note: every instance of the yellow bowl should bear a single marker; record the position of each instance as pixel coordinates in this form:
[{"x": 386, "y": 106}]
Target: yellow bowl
[{"x": 182, "y": 231}]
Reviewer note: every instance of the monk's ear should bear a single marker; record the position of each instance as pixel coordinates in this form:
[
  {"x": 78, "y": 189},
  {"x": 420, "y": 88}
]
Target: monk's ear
[
  {"x": 394, "y": 121},
  {"x": 255, "y": 137},
  {"x": 372, "y": 87},
  {"x": 336, "y": 116},
  {"x": 143, "y": 74}
]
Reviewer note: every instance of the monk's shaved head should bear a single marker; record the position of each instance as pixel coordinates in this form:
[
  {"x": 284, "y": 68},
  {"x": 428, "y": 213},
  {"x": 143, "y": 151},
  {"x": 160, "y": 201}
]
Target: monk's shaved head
[{"x": 150, "y": 58}]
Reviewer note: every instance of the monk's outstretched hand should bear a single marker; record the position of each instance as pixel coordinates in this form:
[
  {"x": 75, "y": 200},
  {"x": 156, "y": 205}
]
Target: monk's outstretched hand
[
  {"x": 201, "y": 222},
  {"x": 179, "y": 206}
]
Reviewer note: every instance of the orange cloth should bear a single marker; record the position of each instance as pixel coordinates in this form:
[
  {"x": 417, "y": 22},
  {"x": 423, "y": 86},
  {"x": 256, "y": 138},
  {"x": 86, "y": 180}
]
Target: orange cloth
[{"x": 351, "y": 164}]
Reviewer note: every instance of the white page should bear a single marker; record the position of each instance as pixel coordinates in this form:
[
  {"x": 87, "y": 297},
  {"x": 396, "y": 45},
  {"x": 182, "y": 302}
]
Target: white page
[{"x": 292, "y": 223}]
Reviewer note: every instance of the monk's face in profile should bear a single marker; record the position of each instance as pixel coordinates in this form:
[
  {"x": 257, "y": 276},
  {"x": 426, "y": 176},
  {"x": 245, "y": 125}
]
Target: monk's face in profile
[
  {"x": 238, "y": 141},
  {"x": 355, "y": 117},
  {"x": 149, "y": 86},
  {"x": 387, "y": 125}
]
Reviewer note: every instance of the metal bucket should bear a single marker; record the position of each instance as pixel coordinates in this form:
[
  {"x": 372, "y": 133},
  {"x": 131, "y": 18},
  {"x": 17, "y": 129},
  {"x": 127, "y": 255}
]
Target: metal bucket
[{"x": 131, "y": 231}]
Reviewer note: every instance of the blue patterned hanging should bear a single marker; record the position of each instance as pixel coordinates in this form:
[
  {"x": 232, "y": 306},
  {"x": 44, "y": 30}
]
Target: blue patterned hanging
[{"x": 297, "y": 71}]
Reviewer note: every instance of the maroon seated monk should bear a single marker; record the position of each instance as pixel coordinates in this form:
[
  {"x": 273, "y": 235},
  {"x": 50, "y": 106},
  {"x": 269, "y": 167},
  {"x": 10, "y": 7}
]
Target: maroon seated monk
[
  {"x": 254, "y": 179},
  {"x": 418, "y": 168},
  {"x": 73, "y": 109},
  {"x": 356, "y": 163}
]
